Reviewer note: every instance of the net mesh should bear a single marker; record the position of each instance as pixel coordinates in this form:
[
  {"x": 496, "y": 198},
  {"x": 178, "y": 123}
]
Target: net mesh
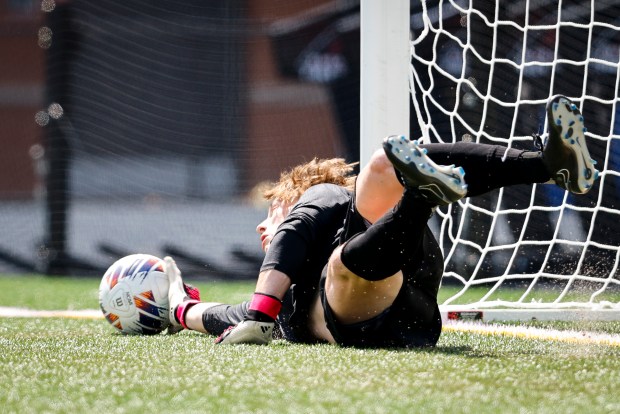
[
  {"x": 145, "y": 126},
  {"x": 483, "y": 72},
  {"x": 152, "y": 124}
]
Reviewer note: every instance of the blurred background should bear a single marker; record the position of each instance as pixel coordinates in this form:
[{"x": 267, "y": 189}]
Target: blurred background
[{"x": 149, "y": 126}]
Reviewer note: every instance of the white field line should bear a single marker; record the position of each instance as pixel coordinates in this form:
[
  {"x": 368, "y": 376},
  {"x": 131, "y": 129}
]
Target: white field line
[
  {"x": 8, "y": 312},
  {"x": 577, "y": 337},
  {"x": 570, "y": 336}
]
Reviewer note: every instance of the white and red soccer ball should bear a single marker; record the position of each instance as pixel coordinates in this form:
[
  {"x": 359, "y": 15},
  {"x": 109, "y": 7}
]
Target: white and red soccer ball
[{"x": 133, "y": 295}]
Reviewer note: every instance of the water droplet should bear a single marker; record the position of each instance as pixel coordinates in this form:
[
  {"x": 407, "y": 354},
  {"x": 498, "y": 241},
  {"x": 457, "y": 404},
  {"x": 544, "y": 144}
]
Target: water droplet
[
  {"x": 48, "y": 5},
  {"x": 45, "y": 37},
  {"x": 55, "y": 111},
  {"x": 42, "y": 118}
]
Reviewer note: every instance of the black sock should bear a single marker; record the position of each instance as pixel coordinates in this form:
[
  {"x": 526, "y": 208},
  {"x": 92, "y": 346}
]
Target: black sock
[
  {"x": 485, "y": 167},
  {"x": 383, "y": 249}
]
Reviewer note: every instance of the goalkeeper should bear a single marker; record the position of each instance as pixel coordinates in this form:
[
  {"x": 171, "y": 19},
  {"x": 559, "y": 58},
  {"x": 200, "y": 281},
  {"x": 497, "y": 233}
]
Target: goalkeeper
[{"x": 351, "y": 260}]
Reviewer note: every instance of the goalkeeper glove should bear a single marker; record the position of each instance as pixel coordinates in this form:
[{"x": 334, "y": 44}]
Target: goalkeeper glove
[{"x": 257, "y": 326}]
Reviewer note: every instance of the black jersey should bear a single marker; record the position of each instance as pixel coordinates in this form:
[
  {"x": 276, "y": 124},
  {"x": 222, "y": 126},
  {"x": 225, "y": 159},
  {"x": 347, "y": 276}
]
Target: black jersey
[
  {"x": 309, "y": 234},
  {"x": 301, "y": 248},
  {"x": 303, "y": 245}
]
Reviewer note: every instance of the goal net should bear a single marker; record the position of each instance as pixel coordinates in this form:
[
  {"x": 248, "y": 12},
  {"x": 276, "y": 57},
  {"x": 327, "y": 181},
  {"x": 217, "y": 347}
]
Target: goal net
[{"x": 483, "y": 71}]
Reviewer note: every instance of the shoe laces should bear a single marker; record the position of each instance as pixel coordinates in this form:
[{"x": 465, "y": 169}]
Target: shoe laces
[{"x": 538, "y": 142}]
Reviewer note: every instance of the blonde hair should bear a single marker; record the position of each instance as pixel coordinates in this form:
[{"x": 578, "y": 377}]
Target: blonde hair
[{"x": 295, "y": 182}]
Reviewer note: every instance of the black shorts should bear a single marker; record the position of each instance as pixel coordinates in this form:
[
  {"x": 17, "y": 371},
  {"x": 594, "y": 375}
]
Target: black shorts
[{"x": 412, "y": 321}]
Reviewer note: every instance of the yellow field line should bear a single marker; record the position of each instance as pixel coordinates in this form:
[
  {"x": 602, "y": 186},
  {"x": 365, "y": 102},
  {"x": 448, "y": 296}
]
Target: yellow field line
[{"x": 576, "y": 337}]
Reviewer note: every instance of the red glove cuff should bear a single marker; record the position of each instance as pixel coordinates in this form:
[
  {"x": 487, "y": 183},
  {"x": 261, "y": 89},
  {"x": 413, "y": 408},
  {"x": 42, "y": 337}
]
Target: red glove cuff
[
  {"x": 192, "y": 291},
  {"x": 267, "y": 304}
]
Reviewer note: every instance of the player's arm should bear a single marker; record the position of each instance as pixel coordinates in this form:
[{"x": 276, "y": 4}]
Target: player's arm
[
  {"x": 286, "y": 256},
  {"x": 257, "y": 327},
  {"x": 273, "y": 282}
]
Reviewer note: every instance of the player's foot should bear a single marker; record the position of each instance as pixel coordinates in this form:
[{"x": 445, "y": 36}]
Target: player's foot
[
  {"x": 566, "y": 153},
  {"x": 178, "y": 296},
  {"x": 438, "y": 184}
]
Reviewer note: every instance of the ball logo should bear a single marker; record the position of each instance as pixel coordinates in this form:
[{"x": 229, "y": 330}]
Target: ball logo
[
  {"x": 121, "y": 301},
  {"x": 133, "y": 295}
]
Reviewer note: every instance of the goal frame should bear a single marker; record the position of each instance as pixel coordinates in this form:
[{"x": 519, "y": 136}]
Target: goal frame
[{"x": 385, "y": 51}]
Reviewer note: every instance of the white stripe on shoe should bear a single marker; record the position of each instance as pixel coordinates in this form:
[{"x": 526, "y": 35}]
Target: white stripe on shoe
[
  {"x": 566, "y": 152},
  {"x": 438, "y": 184}
]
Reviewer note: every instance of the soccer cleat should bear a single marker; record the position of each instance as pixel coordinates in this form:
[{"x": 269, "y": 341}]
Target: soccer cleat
[
  {"x": 180, "y": 295},
  {"x": 192, "y": 293},
  {"x": 566, "y": 154},
  {"x": 438, "y": 184}
]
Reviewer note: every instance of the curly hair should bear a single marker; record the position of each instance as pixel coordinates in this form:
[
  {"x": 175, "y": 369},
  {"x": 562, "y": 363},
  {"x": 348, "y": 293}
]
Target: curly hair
[{"x": 295, "y": 182}]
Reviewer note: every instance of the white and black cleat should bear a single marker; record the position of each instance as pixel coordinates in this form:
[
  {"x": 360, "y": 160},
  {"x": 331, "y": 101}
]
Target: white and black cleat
[
  {"x": 566, "y": 154},
  {"x": 438, "y": 184},
  {"x": 176, "y": 292}
]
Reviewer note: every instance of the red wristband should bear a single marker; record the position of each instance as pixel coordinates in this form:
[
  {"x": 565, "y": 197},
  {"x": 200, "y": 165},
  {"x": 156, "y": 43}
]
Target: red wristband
[{"x": 269, "y": 305}]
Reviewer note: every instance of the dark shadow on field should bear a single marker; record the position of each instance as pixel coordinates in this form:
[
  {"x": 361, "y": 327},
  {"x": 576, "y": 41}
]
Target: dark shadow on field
[{"x": 452, "y": 350}]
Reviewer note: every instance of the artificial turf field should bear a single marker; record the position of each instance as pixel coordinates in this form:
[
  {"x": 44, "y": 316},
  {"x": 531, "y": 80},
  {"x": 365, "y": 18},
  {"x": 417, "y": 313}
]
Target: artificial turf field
[{"x": 64, "y": 365}]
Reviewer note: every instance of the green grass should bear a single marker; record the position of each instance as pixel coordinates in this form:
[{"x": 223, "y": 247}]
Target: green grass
[
  {"x": 77, "y": 366},
  {"x": 55, "y": 293}
]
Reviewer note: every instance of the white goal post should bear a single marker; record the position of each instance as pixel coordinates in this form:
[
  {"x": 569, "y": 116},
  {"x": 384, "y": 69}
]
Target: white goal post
[
  {"x": 483, "y": 71},
  {"x": 384, "y": 72}
]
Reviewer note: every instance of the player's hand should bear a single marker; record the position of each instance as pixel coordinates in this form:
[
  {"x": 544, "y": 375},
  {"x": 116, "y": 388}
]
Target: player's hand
[
  {"x": 248, "y": 332},
  {"x": 257, "y": 326}
]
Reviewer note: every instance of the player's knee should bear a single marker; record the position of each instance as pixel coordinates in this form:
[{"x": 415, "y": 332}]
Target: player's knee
[
  {"x": 336, "y": 270},
  {"x": 380, "y": 164}
]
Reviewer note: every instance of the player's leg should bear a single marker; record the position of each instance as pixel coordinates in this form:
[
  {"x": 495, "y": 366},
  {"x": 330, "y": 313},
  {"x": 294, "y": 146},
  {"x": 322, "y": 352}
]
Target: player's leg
[
  {"x": 364, "y": 275},
  {"x": 213, "y": 317},
  {"x": 377, "y": 190},
  {"x": 354, "y": 299},
  {"x": 488, "y": 167},
  {"x": 187, "y": 313},
  {"x": 438, "y": 183},
  {"x": 564, "y": 160},
  {"x": 379, "y": 185}
]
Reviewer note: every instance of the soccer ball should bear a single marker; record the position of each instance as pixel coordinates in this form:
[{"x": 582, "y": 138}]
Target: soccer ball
[{"x": 133, "y": 295}]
